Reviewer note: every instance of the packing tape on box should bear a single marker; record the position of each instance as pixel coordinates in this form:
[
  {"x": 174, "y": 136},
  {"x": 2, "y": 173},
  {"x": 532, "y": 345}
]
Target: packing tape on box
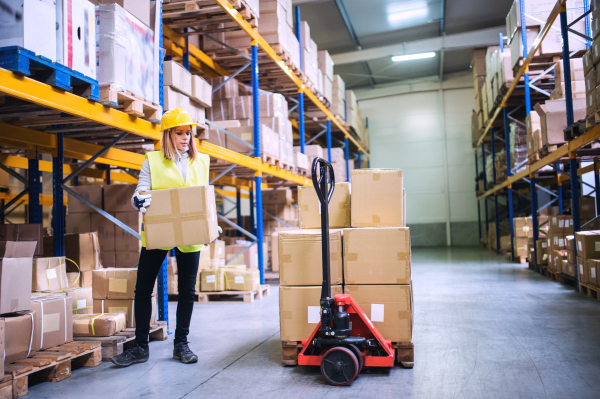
[
  {"x": 351, "y": 257},
  {"x": 376, "y": 219}
]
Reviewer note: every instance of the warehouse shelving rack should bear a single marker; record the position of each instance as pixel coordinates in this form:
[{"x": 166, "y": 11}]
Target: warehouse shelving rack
[
  {"x": 555, "y": 158},
  {"x": 71, "y": 135}
]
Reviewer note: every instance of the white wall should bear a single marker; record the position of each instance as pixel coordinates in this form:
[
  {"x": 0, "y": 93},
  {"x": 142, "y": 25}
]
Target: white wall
[{"x": 428, "y": 136}]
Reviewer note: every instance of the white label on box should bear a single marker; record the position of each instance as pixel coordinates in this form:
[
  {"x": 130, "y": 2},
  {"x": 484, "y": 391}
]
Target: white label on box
[
  {"x": 553, "y": 221},
  {"x": 545, "y": 257},
  {"x": 238, "y": 280},
  {"x": 593, "y": 272},
  {"x": 548, "y": 242},
  {"x": 544, "y": 245},
  {"x": 526, "y": 229},
  {"x": 555, "y": 240},
  {"x": 51, "y": 322},
  {"x": 561, "y": 223},
  {"x": 314, "y": 314},
  {"x": 247, "y": 136},
  {"x": 377, "y": 312},
  {"x": 257, "y": 280},
  {"x": 571, "y": 221},
  {"x": 561, "y": 242},
  {"x": 580, "y": 269},
  {"x": 579, "y": 245},
  {"x": 525, "y": 247},
  {"x": 81, "y": 303},
  {"x": 211, "y": 278},
  {"x": 219, "y": 250},
  {"x": 597, "y": 246},
  {"x": 51, "y": 273}
]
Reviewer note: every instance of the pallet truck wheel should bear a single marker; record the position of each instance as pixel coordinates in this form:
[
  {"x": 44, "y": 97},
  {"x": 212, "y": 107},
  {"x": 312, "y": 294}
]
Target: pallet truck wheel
[
  {"x": 359, "y": 356},
  {"x": 339, "y": 366}
]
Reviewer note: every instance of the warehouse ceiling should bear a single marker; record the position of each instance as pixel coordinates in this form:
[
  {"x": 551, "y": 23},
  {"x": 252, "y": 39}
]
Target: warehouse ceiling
[{"x": 377, "y": 25}]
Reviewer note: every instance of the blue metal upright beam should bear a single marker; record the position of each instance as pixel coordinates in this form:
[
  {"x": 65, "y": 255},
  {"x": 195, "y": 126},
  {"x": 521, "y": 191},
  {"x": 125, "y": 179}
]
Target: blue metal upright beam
[
  {"x": 238, "y": 209},
  {"x": 258, "y": 177},
  {"x": 524, "y": 40},
  {"x": 359, "y": 166},
  {"x": 588, "y": 25},
  {"x": 301, "y": 132},
  {"x": 251, "y": 200},
  {"x": 508, "y": 174},
  {"x": 493, "y": 137},
  {"x": 597, "y": 186},
  {"x": 58, "y": 214},
  {"x": 186, "y": 54},
  {"x": 328, "y": 140},
  {"x": 534, "y": 211},
  {"x": 35, "y": 189},
  {"x": 564, "y": 28},
  {"x": 347, "y": 155}
]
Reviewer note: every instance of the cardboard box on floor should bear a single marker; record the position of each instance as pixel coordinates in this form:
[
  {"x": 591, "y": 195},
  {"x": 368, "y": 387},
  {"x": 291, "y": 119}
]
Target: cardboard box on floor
[
  {"x": 53, "y": 321},
  {"x": 181, "y": 216},
  {"x": 377, "y": 198},
  {"x": 24, "y": 232},
  {"x": 98, "y": 325},
  {"x": 377, "y": 256},
  {"x": 49, "y": 274},
  {"x": 241, "y": 279},
  {"x": 310, "y": 207},
  {"x": 212, "y": 280},
  {"x": 16, "y": 275},
  {"x": 389, "y": 307},
  {"x": 300, "y": 261},
  {"x": 18, "y": 335},
  {"x": 299, "y": 310}
]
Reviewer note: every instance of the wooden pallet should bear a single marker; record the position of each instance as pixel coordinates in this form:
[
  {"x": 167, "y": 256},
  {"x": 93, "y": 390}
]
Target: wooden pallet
[
  {"x": 230, "y": 296},
  {"x": 521, "y": 259},
  {"x": 204, "y": 15},
  {"x": 405, "y": 353},
  {"x": 53, "y": 365},
  {"x": 302, "y": 172},
  {"x": 115, "y": 345},
  {"x": 547, "y": 149},
  {"x": 270, "y": 159},
  {"x": 131, "y": 104},
  {"x": 589, "y": 290},
  {"x": 25, "y": 62}
]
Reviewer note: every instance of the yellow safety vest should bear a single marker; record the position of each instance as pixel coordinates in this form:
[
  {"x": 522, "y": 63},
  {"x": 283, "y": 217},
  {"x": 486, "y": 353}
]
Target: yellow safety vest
[{"x": 164, "y": 174}]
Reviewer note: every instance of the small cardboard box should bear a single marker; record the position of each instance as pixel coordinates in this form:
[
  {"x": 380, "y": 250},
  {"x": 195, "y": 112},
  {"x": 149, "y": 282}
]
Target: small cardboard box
[
  {"x": 91, "y": 193},
  {"x": 310, "y": 207},
  {"x": 376, "y": 198},
  {"x": 122, "y": 306},
  {"x": 18, "y": 335},
  {"x": 181, "y": 216},
  {"x": 299, "y": 310},
  {"x": 241, "y": 279},
  {"x": 300, "y": 261},
  {"x": 24, "y": 232},
  {"x": 81, "y": 297},
  {"x": 127, "y": 259},
  {"x": 561, "y": 225},
  {"x": 53, "y": 321},
  {"x": 389, "y": 307},
  {"x": 117, "y": 197},
  {"x": 49, "y": 274},
  {"x": 16, "y": 275},
  {"x": 593, "y": 268},
  {"x": 280, "y": 196},
  {"x": 98, "y": 325},
  {"x": 588, "y": 244},
  {"x": 556, "y": 242},
  {"x": 114, "y": 283},
  {"x": 377, "y": 256},
  {"x": 212, "y": 280},
  {"x": 217, "y": 250}
]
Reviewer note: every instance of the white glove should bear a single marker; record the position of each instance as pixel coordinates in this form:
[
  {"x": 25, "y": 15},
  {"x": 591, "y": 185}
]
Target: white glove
[
  {"x": 220, "y": 230},
  {"x": 142, "y": 201}
]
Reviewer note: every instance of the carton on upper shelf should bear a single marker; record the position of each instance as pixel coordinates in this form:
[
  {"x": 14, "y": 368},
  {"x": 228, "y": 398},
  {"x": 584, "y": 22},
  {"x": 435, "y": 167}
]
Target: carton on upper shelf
[
  {"x": 92, "y": 194},
  {"x": 98, "y": 325},
  {"x": 49, "y": 274},
  {"x": 300, "y": 260},
  {"x": 277, "y": 196},
  {"x": 53, "y": 324},
  {"x": 18, "y": 335},
  {"x": 588, "y": 244},
  {"x": 553, "y": 117},
  {"x": 388, "y": 307},
  {"x": 377, "y": 256},
  {"x": 377, "y": 198},
  {"x": 299, "y": 310},
  {"x": 16, "y": 275},
  {"x": 76, "y": 36},
  {"x": 201, "y": 91},
  {"x": 177, "y": 77},
  {"x": 138, "y": 8},
  {"x": 217, "y": 249},
  {"x": 310, "y": 207},
  {"x": 562, "y": 224},
  {"x": 181, "y": 216},
  {"x": 24, "y": 232}
]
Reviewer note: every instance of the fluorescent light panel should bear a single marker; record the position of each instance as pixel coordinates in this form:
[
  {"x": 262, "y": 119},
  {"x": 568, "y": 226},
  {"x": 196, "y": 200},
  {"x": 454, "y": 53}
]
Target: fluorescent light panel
[{"x": 408, "y": 57}]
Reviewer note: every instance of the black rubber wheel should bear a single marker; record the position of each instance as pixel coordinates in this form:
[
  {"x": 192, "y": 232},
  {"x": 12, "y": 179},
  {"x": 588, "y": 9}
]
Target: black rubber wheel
[
  {"x": 339, "y": 366},
  {"x": 359, "y": 356}
]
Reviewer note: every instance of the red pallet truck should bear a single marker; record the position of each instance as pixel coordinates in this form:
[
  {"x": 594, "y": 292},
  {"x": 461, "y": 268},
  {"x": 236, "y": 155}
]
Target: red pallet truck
[{"x": 345, "y": 340}]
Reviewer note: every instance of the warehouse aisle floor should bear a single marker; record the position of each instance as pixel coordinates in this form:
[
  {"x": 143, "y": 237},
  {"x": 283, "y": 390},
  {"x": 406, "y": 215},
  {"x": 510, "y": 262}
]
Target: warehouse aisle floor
[{"x": 484, "y": 328}]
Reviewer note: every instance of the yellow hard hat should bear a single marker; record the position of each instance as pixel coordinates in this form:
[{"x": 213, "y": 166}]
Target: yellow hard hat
[{"x": 176, "y": 117}]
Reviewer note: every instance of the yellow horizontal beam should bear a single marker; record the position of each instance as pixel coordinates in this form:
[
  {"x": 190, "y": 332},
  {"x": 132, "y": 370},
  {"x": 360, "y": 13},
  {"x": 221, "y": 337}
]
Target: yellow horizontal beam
[
  {"x": 227, "y": 193},
  {"x": 262, "y": 43},
  {"x": 524, "y": 68}
]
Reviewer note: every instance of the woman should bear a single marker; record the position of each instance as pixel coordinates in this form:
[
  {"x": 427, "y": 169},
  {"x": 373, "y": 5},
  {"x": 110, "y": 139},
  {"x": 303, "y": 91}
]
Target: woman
[{"x": 177, "y": 164}]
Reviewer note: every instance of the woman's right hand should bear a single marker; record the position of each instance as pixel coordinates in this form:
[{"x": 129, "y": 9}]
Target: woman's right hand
[{"x": 142, "y": 201}]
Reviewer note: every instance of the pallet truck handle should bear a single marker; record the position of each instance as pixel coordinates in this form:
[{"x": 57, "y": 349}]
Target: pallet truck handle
[{"x": 324, "y": 194}]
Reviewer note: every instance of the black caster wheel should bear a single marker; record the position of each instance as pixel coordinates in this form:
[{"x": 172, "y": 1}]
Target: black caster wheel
[
  {"x": 359, "y": 356},
  {"x": 339, "y": 366}
]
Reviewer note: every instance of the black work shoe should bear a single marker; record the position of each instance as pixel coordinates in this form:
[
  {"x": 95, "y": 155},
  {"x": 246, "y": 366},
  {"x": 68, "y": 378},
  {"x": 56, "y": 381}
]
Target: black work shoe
[
  {"x": 183, "y": 353},
  {"x": 137, "y": 354}
]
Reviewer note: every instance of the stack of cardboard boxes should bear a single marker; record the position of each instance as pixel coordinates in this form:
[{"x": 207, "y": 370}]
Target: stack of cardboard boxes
[
  {"x": 369, "y": 256},
  {"x": 277, "y": 203},
  {"x": 326, "y": 69},
  {"x": 480, "y": 114},
  {"x": 559, "y": 228},
  {"x": 588, "y": 256}
]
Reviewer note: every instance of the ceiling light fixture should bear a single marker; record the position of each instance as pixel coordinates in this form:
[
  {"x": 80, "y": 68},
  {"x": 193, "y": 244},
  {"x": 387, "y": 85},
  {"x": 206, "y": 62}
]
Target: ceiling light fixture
[{"x": 408, "y": 57}]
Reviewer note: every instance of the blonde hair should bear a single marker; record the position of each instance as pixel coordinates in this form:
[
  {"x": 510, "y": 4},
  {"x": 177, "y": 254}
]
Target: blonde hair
[{"x": 169, "y": 148}]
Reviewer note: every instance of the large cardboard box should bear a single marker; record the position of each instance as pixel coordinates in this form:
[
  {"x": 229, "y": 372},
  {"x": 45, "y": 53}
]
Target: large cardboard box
[
  {"x": 81, "y": 297},
  {"x": 176, "y": 76},
  {"x": 280, "y": 196},
  {"x": 83, "y": 249},
  {"x": 299, "y": 310},
  {"x": 91, "y": 193},
  {"x": 24, "y": 232},
  {"x": 49, "y": 274},
  {"x": 181, "y": 216},
  {"x": 377, "y": 256},
  {"x": 212, "y": 279},
  {"x": 389, "y": 307},
  {"x": 300, "y": 261},
  {"x": 588, "y": 244},
  {"x": 78, "y": 223},
  {"x": 117, "y": 197},
  {"x": 561, "y": 225},
  {"x": 98, "y": 325},
  {"x": 542, "y": 252},
  {"x": 114, "y": 283},
  {"x": 53, "y": 321},
  {"x": 201, "y": 91},
  {"x": 376, "y": 198},
  {"x": 16, "y": 275},
  {"x": 248, "y": 258},
  {"x": 125, "y": 242},
  {"x": 217, "y": 249},
  {"x": 106, "y": 232},
  {"x": 310, "y": 207},
  {"x": 241, "y": 279},
  {"x": 204, "y": 262},
  {"x": 593, "y": 266},
  {"x": 275, "y": 251},
  {"x": 18, "y": 335}
]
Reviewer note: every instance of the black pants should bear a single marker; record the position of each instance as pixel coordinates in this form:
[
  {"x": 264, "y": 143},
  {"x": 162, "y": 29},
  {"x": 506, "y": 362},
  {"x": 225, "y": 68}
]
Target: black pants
[{"x": 149, "y": 265}]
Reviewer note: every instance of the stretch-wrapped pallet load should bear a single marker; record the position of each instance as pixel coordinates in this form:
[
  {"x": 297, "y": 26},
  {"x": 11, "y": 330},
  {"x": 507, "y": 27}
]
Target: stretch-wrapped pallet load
[{"x": 518, "y": 147}]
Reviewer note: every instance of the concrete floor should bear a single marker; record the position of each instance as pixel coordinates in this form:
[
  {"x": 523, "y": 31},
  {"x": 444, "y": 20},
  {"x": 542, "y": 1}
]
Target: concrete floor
[{"x": 484, "y": 328}]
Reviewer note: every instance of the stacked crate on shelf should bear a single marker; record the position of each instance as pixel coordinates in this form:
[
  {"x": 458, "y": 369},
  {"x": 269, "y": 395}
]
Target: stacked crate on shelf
[
  {"x": 338, "y": 98},
  {"x": 588, "y": 257},
  {"x": 326, "y": 70},
  {"x": 498, "y": 76},
  {"x": 534, "y": 135},
  {"x": 518, "y": 147},
  {"x": 480, "y": 115}
]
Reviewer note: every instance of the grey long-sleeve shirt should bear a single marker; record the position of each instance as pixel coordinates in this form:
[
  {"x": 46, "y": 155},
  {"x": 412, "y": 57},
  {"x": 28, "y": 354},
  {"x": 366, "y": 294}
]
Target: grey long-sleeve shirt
[{"x": 145, "y": 180}]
